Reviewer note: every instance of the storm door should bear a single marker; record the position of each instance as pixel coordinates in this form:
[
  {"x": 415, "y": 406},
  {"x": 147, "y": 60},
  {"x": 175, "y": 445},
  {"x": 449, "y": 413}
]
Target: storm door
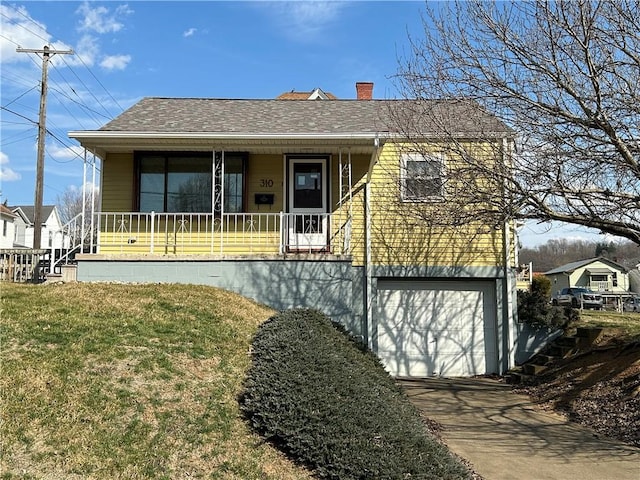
[{"x": 308, "y": 220}]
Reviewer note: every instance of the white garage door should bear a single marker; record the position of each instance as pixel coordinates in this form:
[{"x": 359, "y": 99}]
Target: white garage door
[{"x": 444, "y": 328}]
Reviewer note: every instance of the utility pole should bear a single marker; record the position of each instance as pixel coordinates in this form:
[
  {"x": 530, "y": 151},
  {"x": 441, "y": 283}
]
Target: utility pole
[{"x": 42, "y": 132}]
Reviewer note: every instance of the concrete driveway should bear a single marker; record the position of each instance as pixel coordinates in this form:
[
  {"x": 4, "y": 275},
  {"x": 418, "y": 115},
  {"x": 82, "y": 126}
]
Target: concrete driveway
[{"x": 505, "y": 437}]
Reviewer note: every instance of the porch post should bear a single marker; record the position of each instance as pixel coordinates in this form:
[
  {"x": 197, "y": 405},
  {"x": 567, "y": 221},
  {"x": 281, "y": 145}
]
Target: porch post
[
  {"x": 282, "y": 234},
  {"x": 93, "y": 199},
  {"x": 84, "y": 201},
  {"x": 52, "y": 255},
  {"x": 218, "y": 193},
  {"x": 153, "y": 229}
]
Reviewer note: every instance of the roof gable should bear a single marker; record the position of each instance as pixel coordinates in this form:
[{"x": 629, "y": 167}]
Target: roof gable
[
  {"x": 315, "y": 94},
  {"x": 573, "y": 266},
  {"x": 28, "y": 212}
]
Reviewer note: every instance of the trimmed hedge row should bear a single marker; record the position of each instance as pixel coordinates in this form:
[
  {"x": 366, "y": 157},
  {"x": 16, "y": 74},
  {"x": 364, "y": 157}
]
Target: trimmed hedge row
[{"x": 330, "y": 405}]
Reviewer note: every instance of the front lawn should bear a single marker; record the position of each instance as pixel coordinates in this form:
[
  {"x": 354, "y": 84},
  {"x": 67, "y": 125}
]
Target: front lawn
[
  {"x": 110, "y": 381},
  {"x": 624, "y": 325}
]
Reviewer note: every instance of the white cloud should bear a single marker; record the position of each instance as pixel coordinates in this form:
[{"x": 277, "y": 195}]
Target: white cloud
[
  {"x": 7, "y": 174},
  {"x": 189, "y": 32},
  {"x": 86, "y": 52},
  {"x": 65, "y": 153},
  {"x": 306, "y": 21},
  {"x": 100, "y": 19},
  {"x": 88, "y": 187},
  {"x": 115, "y": 62},
  {"x": 20, "y": 29}
]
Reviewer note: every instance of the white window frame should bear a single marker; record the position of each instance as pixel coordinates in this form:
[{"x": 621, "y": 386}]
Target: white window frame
[{"x": 421, "y": 157}]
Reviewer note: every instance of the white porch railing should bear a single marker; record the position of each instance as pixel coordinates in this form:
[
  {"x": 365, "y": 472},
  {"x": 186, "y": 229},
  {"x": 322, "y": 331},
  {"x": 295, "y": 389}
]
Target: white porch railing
[
  {"x": 205, "y": 233},
  {"x": 600, "y": 286}
]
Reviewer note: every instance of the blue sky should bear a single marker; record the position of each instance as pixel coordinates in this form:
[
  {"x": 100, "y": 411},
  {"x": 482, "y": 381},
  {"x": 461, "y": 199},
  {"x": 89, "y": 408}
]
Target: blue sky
[{"x": 125, "y": 51}]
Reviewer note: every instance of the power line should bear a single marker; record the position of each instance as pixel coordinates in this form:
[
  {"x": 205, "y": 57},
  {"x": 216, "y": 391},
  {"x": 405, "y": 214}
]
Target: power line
[
  {"x": 9, "y": 40},
  {"x": 80, "y": 104},
  {"x": 19, "y": 115},
  {"x": 29, "y": 19},
  {"x": 19, "y": 97},
  {"x": 17, "y": 80},
  {"x": 29, "y": 134},
  {"x": 37, "y": 210},
  {"x": 79, "y": 57},
  {"x": 46, "y": 40},
  {"x": 89, "y": 90}
]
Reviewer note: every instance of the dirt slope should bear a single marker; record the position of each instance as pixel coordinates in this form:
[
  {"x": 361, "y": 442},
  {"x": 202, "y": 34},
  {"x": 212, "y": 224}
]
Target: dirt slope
[{"x": 599, "y": 388}]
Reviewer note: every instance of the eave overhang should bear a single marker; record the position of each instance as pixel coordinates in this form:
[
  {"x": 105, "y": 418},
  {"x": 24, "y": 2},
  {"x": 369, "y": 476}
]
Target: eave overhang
[{"x": 101, "y": 142}]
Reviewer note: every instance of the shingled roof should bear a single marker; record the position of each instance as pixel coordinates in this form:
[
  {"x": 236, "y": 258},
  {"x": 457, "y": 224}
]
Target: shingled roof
[
  {"x": 277, "y": 117},
  {"x": 29, "y": 211}
]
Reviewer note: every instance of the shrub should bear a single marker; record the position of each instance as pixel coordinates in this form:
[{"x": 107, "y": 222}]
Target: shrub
[
  {"x": 541, "y": 284},
  {"x": 534, "y": 307},
  {"x": 331, "y": 406}
]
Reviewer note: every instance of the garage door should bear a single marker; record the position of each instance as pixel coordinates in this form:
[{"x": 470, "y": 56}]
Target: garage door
[{"x": 426, "y": 328}]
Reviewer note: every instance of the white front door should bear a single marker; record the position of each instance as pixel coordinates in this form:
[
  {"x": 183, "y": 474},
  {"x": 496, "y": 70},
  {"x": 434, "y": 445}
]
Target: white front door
[{"x": 308, "y": 218}]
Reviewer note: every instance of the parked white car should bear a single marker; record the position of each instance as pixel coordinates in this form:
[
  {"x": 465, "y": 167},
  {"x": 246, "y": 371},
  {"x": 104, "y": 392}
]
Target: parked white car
[{"x": 632, "y": 304}]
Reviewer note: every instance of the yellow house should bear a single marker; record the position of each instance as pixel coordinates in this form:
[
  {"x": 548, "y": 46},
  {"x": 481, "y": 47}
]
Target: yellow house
[{"x": 308, "y": 203}]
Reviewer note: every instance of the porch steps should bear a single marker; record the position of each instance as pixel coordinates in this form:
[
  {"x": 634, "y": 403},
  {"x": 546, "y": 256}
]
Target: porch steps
[{"x": 563, "y": 347}]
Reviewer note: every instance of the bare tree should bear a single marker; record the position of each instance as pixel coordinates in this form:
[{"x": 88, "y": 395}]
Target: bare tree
[
  {"x": 565, "y": 77},
  {"x": 70, "y": 207},
  {"x": 69, "y": 204}
]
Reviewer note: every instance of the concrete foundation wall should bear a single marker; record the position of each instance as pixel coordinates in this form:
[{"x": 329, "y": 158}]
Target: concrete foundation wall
[
  {"x": 334, "y": 287},
  {"x": 281, "y": 284},
  {"x": 532, "y": 339}
]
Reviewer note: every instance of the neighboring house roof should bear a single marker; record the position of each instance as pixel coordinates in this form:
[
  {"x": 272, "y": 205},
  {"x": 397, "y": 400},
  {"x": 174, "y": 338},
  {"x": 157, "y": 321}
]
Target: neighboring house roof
[
  {"x": 315, "y": 94},
  {"x": 573, "y": 266},
  {"x": 6, "y": 211},
  {"x": 28, "y": 212},
  {"x": 221, "y": 117}
]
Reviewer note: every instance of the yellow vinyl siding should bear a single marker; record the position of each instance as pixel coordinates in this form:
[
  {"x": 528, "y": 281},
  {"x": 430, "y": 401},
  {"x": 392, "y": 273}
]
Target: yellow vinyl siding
[
  {"x": 359, "y": 170},
  {"x": 192, "y": 234},
  {"x": 400, "y": 234},
  {"x": 265, "y": 175},
  {"x": 117, "y": 183}
]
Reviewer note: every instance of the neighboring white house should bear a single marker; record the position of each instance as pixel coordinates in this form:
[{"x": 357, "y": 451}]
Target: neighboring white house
[
  {"x": 51, "y": 238},
  {"x": 634, "y": 279},
  {"x": 601, "y": 275},
  {"x": 7, "y": 232}
]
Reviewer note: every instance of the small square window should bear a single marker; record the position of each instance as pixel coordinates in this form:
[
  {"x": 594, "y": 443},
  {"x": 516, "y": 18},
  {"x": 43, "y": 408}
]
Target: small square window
[{"x": 422, "y": 177}]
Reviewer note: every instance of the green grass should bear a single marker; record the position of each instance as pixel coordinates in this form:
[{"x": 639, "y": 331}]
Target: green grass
[
  {"x": 624, "y": 325},
  {"x": 128, "y": 381}
]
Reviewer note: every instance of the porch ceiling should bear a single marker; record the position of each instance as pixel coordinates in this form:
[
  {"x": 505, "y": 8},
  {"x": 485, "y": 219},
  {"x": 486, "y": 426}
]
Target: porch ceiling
[{"x": 100, "y": 144}]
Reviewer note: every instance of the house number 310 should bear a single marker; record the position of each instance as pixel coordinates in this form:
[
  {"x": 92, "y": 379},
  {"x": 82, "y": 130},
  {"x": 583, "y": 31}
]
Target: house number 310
[{"x": 266, "y": 182}]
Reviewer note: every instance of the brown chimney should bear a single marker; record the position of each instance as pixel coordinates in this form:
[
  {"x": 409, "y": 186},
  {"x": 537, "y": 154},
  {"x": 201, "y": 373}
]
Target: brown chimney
[{"x": 364, "y": 90}]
